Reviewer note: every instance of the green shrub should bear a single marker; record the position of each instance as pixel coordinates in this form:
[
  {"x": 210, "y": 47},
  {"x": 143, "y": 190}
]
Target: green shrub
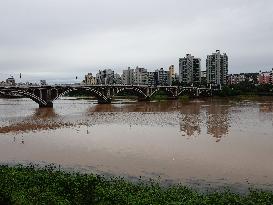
[{"x": 33, "y": 185}]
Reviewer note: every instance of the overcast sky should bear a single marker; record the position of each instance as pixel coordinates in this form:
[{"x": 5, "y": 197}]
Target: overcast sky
[{"x": 61, "y": 39}]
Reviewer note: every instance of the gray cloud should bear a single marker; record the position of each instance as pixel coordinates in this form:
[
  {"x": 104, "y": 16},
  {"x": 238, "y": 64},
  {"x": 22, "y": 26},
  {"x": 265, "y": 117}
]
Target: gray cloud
[{"x": 65, "y": 38}]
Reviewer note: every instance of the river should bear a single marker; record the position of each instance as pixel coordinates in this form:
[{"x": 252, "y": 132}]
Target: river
[{"x": 203, "y": 143}]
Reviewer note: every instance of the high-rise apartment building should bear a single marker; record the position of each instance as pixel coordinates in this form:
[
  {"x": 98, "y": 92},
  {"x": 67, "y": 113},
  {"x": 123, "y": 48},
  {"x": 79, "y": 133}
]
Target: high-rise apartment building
[
  {"x": 217, "y": 68},
  {"x": 141, "y": 76},
  {"x": 203, "y": 77},
  {"x": 117, "y": 79},
  {"x": 189, "y": 69},
  {"x": 105, "y": 77},
  {"x": 128, "y": 76},
  {"x": 151, "y": 78},
  {"x": 162, "y": 77},
  {"x": 171, "y": 74}
]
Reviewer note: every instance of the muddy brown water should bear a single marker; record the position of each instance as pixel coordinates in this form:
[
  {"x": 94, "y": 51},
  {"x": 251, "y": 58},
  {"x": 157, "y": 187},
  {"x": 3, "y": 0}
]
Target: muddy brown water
[{"x": 206, "y": 142}]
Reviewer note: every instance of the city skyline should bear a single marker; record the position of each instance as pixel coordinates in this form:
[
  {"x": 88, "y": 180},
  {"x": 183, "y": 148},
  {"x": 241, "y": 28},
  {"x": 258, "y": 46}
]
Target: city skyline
[{"x": 69, "y": 38}]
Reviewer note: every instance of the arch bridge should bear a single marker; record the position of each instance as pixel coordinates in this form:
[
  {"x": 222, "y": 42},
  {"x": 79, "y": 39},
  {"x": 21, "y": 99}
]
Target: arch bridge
[{"x": 46, "y": 95}]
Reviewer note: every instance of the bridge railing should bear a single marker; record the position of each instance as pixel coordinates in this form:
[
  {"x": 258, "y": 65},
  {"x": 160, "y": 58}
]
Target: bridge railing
[{"x": 101, "y": 86}]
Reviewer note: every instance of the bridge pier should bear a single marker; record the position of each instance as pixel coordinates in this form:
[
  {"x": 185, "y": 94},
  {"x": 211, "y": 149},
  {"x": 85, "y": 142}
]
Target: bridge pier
[{"x": 49, "y": 104}]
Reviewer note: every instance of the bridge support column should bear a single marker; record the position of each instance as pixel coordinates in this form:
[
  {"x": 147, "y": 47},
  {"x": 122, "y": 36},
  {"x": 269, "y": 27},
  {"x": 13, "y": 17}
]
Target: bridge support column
[{"x": 49, "y": 104}]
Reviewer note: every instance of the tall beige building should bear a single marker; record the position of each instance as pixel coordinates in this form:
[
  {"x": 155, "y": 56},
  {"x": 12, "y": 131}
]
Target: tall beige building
[
  {"x": 141, "y": 76},
  {"x": 90, "y": 79},
  {"x": 128, "y": 76}
]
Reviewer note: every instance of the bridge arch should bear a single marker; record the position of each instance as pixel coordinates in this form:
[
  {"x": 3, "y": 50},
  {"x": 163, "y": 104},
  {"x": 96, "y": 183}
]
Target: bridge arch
[
  {"x": 204, "y": 92},
  {"x": 134, "y": 90},
  {"x": 190, "y": 91},
  {"x": 61, "y": 94},
  {"x": 54, "y": 93},
  {"x": 168, "y": 91},
  {"x": 33, "y": 97},
  {"x": 94, "y": 92}
]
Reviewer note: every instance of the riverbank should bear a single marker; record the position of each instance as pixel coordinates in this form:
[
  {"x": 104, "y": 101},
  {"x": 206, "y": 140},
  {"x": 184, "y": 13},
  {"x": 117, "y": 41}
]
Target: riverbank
[{"x": 32, "y": 185}]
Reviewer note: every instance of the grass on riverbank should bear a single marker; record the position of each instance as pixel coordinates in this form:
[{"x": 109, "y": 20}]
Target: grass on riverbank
[{"x": 30, "y": 185}]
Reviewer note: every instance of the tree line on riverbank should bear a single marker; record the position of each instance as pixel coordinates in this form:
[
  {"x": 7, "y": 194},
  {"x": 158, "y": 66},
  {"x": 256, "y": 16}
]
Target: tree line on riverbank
[
  {"x": 33, "y": 185},
  {"x": 247, "y": 88}
]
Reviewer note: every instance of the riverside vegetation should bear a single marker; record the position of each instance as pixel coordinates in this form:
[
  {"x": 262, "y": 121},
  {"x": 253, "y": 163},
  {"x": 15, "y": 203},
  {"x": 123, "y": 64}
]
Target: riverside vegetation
[
  {"x": 247, "y": 89},
  {"x": 34, "y": 185}
]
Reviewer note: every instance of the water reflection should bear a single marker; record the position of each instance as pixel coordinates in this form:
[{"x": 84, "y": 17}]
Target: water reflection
[
  {"x": 191, "y": 117},
  {"x": 209, "y": 116},
  {"x": 164, "y": 106},
  {"x": 266, "y": 107},
  {"x": 44, "y": 113},
  {"x": 41, "y": 119},
  {"x": 218, "y": 120},
  {"x": 214, "y": 116},
  {"x": 266, "y": 112},
  {"x": 137, "y": 138},
  {"x": 190, "y": 120}
]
